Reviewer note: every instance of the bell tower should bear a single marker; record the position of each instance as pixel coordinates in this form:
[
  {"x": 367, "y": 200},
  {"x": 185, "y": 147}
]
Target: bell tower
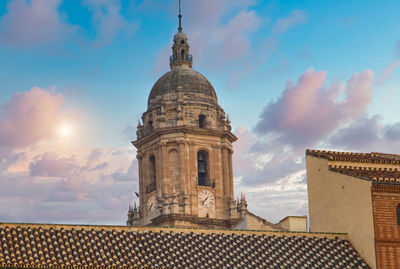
[{"x": 184, "y": 149}]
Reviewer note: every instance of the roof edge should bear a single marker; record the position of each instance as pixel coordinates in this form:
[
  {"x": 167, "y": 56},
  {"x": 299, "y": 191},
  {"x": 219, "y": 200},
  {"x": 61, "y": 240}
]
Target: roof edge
[{"x": 168, "y": 229}]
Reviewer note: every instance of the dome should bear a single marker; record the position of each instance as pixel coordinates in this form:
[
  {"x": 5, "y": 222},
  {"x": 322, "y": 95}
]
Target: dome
[
  {"x": 184, "y": 83},
  {"x": 180, "y": 36}
]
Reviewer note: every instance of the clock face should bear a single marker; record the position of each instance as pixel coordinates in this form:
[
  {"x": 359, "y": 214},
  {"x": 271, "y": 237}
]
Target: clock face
[
  {"x": 206, "y": 199},
  {"x": 152, "y": 206}
]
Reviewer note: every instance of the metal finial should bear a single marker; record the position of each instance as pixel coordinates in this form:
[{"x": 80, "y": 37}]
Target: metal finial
[{"x": 180, "y": 17}]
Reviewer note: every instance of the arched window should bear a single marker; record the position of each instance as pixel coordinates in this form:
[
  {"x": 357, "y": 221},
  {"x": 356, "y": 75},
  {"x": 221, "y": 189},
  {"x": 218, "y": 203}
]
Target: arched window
[
  {"x": 183, "y": 42},
  {"x": 202, "y": 168},
  {"x": 183, "y": 54},
  {"x": 202, "y": 121},
  {"x": 398, "y": 214},
  {"x": 152, "y": 175}
]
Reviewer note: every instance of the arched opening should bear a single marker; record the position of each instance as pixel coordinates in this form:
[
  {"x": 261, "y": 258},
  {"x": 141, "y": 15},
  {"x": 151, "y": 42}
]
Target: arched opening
[
  {"x": 203, "y": 168},
  {"x": 398, "y": 214},
  {"x": 183, "y": 42},
  {"x": 152, "y": 175},
  {"x": 202, "y": 121},
  {"x": 183, "y": 54}
]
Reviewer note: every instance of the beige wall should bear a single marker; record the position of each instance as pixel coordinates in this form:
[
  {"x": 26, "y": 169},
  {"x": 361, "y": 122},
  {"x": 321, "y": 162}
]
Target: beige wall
[
  {"x": 252, "y": 222},
  {"x": 294, "y": 223},
  {"x": 341, "y": 203}
]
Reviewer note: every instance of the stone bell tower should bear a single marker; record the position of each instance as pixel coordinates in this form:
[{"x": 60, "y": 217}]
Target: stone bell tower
[{"x": 184, "y": 149}]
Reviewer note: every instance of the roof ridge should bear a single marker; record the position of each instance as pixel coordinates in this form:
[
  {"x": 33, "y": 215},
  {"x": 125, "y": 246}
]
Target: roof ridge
[{"x": 168, "y": 229}]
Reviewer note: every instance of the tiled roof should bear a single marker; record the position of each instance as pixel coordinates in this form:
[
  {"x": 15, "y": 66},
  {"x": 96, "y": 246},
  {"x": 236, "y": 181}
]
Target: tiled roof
[
  {"x": 63, "y": 246},
  {"x": 387, "y": 175},
  {"x": 373, "y": 157}
]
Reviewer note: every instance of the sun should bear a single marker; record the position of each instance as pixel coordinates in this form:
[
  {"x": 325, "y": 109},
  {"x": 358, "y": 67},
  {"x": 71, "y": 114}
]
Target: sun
[{"x": 64, "y": 130}]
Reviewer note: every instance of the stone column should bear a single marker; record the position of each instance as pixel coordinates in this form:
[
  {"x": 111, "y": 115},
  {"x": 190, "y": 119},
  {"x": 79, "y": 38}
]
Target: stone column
[
  {"x": 142, "y": 188},
  {"x": 144, "y": 175},
  {"x": 192, "y": 178},
  {"x": 158, "y": 155},
  {"x": 182, "y": 174},
  {"x": 164, "y": 168},
  {"x": 225, "y": 171},
  {"x": 211, "y": 164},
  {"x": 219, "y": 180},
  {"x": 230, "y": 154}
]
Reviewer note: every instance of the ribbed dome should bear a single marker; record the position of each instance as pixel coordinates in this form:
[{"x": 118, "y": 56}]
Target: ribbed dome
[{"x": 192, "y": 86}]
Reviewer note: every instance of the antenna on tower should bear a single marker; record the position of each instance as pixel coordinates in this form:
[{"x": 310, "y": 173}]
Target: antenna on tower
[{"x": 180, "y": 17}]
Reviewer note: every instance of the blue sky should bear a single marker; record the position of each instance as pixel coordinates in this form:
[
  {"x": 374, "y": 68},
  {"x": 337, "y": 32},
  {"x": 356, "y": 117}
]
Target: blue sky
[{"x": 102, "y": 58}]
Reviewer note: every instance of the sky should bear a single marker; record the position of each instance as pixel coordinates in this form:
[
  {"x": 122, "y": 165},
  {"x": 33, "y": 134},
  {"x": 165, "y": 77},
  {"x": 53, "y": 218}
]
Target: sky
[{"x": 75, "y": 77}]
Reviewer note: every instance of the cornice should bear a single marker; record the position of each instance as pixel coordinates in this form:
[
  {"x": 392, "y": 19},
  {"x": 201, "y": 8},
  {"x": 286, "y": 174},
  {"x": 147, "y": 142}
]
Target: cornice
[
  {"x": 182, "y": 129},
  {"x": 377, "y": 187}
]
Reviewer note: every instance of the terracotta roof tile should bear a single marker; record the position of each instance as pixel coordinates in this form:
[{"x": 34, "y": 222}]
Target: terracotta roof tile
[
  {"x": 387, "y": 175},
  {"x": 373, "y": 157},
  {"x": 62, "y": 246}
]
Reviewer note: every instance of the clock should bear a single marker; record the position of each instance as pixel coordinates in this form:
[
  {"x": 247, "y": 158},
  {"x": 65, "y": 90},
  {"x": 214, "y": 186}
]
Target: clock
[
  {"x": 152, "y": 206},
  {"x": 206, "y": 199}
]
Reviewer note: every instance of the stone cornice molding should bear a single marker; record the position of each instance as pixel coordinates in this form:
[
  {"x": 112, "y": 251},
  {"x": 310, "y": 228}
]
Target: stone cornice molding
[
  {"x": 183, "y": 129},
  {"x": 182, "y": 142}
]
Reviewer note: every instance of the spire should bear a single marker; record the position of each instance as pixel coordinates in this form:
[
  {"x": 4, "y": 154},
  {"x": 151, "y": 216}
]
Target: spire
[
  {"x": 180, "y": 17},
  {"x": 180, "y": 57}
]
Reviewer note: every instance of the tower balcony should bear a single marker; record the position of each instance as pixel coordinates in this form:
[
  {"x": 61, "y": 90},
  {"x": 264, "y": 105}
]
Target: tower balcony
[{"x": 184, "y": 57}]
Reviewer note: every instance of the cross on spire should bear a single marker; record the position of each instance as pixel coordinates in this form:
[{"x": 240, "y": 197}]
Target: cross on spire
[{"x": 180, "y": 17}]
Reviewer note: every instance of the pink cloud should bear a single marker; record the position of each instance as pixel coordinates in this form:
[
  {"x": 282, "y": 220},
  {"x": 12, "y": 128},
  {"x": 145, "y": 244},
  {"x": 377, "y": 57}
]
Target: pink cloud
[
  {"x": 76, "y": 183},
  {"x": 209, "y": 12},
  {"x": 33, "y": 22},
  {"x": 262, "y": 51},
  {"x": 30, "y": 117},
  {"x": 388, "y": 72},
  {"x": 241, "y": 159},
  {"x": 223, "y": 42},
  {"x": 108, "y": 20},
  {"x": 307, "y": 111},
  {"x": 294, "y": 18},
  {"x": 213, "y": 41},
  {"x": 37, "y": 22},
  {"x": 233, "y": 36},
  {"x": 50, "y": 165},
  {"x": 245, "y": 140}
]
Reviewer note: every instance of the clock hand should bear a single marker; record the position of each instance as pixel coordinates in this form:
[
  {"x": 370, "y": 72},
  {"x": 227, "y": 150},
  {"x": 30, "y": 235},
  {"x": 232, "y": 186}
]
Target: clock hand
[
  {"x": 202, "y": 203},
  {"x": 151, "y": 205}
]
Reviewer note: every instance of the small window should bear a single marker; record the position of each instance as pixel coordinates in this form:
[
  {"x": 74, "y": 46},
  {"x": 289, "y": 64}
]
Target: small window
[
  {"x": 202, "y": 168},
  {"x": 398, "y": 214},
  {"x": 202, "y": 121},
  {"x": 183, "y": 42},
  {"x": 183, "y": 54}
]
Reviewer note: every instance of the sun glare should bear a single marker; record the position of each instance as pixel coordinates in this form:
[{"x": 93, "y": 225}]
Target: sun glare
[{"x": 64, "y": 130}]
